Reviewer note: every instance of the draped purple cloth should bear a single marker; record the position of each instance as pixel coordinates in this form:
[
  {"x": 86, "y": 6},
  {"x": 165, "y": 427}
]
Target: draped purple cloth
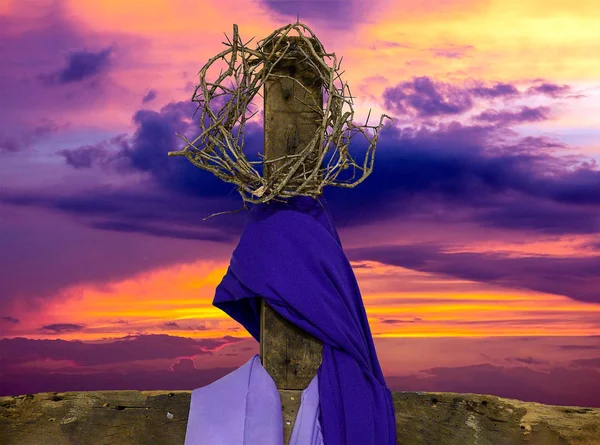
[{"x": 290, "y": 254}]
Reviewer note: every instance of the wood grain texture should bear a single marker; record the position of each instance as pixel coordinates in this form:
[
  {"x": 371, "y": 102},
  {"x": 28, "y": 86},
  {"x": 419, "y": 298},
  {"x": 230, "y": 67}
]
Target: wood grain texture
[
  {"x": 160, "y": 418},
  {"x": 290, "y": 355}
]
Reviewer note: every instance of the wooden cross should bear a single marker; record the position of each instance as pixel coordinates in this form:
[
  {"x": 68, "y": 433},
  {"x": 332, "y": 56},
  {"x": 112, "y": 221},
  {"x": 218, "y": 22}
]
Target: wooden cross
[{"x": 290, "y": 355}]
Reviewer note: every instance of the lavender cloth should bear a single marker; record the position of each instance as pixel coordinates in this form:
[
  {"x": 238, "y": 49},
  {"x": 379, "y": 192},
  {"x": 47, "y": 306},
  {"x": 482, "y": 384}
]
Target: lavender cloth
[
  {"x": 291, "y": 255},
  {"x": 244, "y": 408}
]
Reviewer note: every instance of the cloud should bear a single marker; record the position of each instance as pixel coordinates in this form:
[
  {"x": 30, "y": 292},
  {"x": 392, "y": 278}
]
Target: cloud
[
  {"x": 149, "y": 97},
  {"x": 549, "y": 89},
  {"x": 480, "y": 173},
  {"x": 81, "y": 65},
  {"x": 340, "y": 14},
  {"x": 177, "y": 233},
  {"x": 176, "y": 378},
  {"x": 558, "y": 386},
  {"x": 10, "y": 319},
  {"x": 452, "y": 51},
  {"x": 526, "y": 360},
  {"x": 578, "y": 347},
  {"x": 29, "y": 137},
  {"x": 103, "y": 153},
  {"x": 505, "y": 117},
  {"x": 574, "y": 277},
  {"x": 495, "y": 178},
  {"x": 397, "y": 321},
  {"x": 18, "y": 351},
  {"x": 55, "y": 65},
  {"x": 498, "y": 90},
  {"x": 184, "y": 365},
  {"x": 60, "y": 328},
  {"x": 173, "y": 325},
  {"x": 427, "y": 98},
  {"x": 593, "y": 363}
]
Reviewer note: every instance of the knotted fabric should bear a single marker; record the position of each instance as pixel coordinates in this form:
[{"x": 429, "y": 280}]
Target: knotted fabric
[{"x": 290, "y": 254}]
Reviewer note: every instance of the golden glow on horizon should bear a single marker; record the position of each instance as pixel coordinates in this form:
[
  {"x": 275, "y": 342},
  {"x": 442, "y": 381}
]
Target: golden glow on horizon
[{"x": 178, "y": 301}]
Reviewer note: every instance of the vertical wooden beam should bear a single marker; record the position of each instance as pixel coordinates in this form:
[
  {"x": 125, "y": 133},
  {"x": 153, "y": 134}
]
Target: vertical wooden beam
[{"x": 290, "y": 355}]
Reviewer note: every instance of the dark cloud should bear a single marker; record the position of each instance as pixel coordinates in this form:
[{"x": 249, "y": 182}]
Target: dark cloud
[
  {"x": 140, "y": 227},
  {"x": 498, "y": 90},
  {"x": 88, "y": 156},
  {"x": 578, "y": 347},
  {"x": 10, "y": 319},
  {"x": 29, "y": 137},
  {"x": 397, "y": 321},
  {"x": 526, "y": 360},
  {"x": 478, "y": 173},
  {"x": 60, "y": 328},
  {"x": 149, "y": 97},
  {"x": 558, "y": 386},
  {"x": 574, "y": 277},
  {"x": 340, "y": 14},
  {"x": 505, "y": 117},
  {"x": 427, "y": 98},
  {"x": 156, "y": 136},
  {"x": 81, "y": 65},
  {"x": 549, "y": 89},
  {"x": 184, "y": 365},
  {"x": 173, "y": 325},
  {"x": 180, "y": 378},
  {"x": 593, "y": 363},
  {"x": 66, "y": 252},
  {"x": 473, "y": 172},
  {"x": 516, "y": 184},
  {"x": 17, "y": 351}
]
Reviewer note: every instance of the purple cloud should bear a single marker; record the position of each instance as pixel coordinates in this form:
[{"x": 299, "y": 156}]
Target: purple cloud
[
  {"x": 397, "y": 321},
  {"x": 427, "y": 98},
  {"x": 60, "y": 328},
  {"x": 174, "y": 325},
  {"x": 66, "y": 252},
  {"x": 549, "y": 89},
  {"x": 475, "y": 170},
  {"x": 17, "y": 351},
  {"x": 574, "y": 277},
  {"x": 578, "y": 347},
  {"x": 526, "y": 360},
  {"x": 149, "y": 97},
  {"x": 558, "y": 386},
  {"x": 86, "y": 156},
  {"x": 505, "y": 117},
  {"x": 498, "y": 90},
  {"x": 10, "y": 319},
  {"x": 81, "y": 65},
  {"x": 177, "y": 233},
  {"x": 27, "y": 138},
  {"x": 331, "y": 13},
  {"x": 175, "y": 378},
  {"x": 593, "y": 363}
]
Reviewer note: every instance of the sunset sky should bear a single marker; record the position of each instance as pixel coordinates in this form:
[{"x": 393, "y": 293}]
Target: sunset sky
[{"x": 475, "y": 242}]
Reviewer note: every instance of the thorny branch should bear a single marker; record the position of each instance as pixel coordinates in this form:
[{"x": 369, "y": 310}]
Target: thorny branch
[{"x": 220, "y": 152}]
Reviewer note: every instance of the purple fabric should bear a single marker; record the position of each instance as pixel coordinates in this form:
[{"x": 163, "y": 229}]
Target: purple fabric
[
  {"x": 244, "y": 408},
  {"x": 291, "y": 255}
]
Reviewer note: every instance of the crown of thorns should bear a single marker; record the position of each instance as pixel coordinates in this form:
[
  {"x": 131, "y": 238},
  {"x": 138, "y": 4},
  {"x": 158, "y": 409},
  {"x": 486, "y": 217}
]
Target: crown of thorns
[{"x": 300, "y": 173}]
